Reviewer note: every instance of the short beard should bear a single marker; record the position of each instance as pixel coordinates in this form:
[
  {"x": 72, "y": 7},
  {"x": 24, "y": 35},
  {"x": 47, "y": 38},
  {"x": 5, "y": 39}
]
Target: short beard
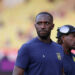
[{"x": 44, "y": 37}]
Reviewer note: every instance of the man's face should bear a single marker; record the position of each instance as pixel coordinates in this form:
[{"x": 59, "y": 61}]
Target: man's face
[
  {"x": 43, "y": 25},
  {"x": 69, "y": 40}
]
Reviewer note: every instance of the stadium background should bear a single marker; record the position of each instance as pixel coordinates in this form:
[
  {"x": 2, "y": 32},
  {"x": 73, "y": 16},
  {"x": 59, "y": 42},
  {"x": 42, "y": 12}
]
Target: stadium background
[{"x": 17, "y": 25}]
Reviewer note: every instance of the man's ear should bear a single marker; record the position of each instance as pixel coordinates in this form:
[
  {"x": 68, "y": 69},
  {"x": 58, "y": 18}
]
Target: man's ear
[
  {"x": 52, "y": 26},
  {"x": 63, "y": 38},
  {"x": 35, "y": 25}
]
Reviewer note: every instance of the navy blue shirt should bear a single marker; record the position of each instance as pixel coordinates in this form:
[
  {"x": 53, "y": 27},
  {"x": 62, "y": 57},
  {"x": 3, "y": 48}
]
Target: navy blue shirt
[
  {"x": 69, "y": 64},
  {"x": 39, "y": 58}
]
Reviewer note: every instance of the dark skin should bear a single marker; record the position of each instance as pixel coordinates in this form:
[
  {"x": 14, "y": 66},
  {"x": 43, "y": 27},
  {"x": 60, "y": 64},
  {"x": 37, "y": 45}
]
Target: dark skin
[
  {"x": 43, "y": 25},
  {"x": 68, "y": 42},
  {"x": 18, "y": 71}
]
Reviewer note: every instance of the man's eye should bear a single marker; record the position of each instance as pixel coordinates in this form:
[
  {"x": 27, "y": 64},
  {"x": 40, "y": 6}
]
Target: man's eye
[
  {"x": 39, "y": 23},
  {"x": 47, "y": 23}
]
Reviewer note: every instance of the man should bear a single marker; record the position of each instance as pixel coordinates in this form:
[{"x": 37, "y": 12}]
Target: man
[
  {"x": 40, "y": 56},
  {"x": 66, "y": 37}
]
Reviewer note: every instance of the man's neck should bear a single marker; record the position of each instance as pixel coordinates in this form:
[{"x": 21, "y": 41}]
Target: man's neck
[{"x": 48, "y": 40}]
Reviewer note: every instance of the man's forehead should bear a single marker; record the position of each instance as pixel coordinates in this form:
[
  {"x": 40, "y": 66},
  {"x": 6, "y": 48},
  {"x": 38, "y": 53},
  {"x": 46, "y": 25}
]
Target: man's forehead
[
  {"x": 73, "y": 33},
  {"x": 70, "y": 34},
  {"x": 41, "y": 17}
]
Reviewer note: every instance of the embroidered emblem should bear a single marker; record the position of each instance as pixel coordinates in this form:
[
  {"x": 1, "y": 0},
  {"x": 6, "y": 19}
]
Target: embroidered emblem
[
  {"x": 58, "y": 56},
  {"x": 73, "y": 58},
  {"x": 43, "y": 56}
]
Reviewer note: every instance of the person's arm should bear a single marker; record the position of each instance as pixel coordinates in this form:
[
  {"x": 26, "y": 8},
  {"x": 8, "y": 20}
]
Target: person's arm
[
  {"x": 18, "y": 71},
  {"x": 22, "y": 61}
]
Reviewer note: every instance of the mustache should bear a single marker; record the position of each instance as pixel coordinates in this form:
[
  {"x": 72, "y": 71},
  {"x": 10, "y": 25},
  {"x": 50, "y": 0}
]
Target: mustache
[{"x": 43, "y": 30}]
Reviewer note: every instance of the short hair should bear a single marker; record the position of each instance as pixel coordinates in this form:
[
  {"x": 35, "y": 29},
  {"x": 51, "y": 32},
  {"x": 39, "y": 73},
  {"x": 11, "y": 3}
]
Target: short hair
[{"x": 47, "y": 13}]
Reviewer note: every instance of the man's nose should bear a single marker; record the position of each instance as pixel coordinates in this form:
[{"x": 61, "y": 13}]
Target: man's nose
[{"x": 43, "y": 26}]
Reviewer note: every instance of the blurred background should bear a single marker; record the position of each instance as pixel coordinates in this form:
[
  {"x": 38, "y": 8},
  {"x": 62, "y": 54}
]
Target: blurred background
[{"x": 17, "y": 25}]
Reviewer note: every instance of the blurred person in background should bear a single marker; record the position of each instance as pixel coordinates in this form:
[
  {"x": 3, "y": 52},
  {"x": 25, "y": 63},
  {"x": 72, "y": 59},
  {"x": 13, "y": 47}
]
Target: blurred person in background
[
  {"x": 66, "y": 38},
  {"x": 40, "y": 56}
]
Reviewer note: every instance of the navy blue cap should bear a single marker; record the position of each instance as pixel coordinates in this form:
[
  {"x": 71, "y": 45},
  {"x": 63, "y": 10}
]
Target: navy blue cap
[{"x": 71, "y": 30}]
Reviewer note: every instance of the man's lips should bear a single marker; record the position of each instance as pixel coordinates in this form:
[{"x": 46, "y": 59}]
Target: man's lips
[{"x": 43, "y": 32}]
